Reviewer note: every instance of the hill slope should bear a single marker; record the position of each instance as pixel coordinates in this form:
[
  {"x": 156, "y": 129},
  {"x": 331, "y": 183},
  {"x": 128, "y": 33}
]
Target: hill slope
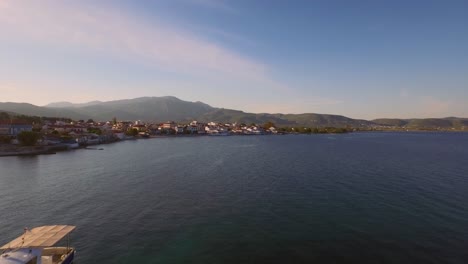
[
  {"x": 308, "y": 119},
  {"x": 424, "y": 123},
  {"x": 34, "y": 110},
  {"x": 160, "y": 109},
  {"x": 69, "y": 105},
  {"x": 146, "y": 108}
]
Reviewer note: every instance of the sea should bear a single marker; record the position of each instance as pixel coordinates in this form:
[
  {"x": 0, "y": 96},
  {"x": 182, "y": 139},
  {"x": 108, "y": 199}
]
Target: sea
[{"x": 347, "y": 198}]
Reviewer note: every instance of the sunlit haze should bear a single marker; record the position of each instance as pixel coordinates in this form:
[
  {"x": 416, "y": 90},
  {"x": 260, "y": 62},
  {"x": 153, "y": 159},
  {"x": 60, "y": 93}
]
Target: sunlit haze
[{"x": 362, "y": 59}]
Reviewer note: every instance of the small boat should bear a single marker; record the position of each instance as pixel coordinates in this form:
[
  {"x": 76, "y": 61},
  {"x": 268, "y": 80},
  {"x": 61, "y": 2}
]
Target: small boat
[
  {"x": 37, "y": 246},
  {"x": 217, "y": 133},
  {"x": 144, "y": 134}
]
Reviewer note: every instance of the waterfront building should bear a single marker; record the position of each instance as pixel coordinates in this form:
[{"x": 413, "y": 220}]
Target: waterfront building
[{"x": 14, "y": 127}]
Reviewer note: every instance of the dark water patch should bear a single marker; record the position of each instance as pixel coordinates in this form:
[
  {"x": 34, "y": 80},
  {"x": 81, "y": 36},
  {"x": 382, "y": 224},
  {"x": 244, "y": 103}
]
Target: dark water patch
[{"x": 355, "y": 198}]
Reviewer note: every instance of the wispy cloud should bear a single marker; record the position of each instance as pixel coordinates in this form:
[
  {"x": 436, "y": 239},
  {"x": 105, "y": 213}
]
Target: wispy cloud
[
  {"x": 221, "y": 75},
  {"x": 230, "y": 37},
  {"x": 114, "y": 31},
  {"x": 214, "y": 4}
]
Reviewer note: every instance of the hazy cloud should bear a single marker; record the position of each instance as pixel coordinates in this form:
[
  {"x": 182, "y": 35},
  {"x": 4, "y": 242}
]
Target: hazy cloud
[
  {"x": 431, "y": 106},
  {"x": 3, "y": 4},
  {"x": 214, "y": 4},
  {"x": 222, "y": 76},
  {"x": 7, "y": 88},
  {"x": 404, "y": 93},
  {"x": 114, "y": 31},
  {"x": 42, "y": 91},
  {"x": 313, "y": 104}
]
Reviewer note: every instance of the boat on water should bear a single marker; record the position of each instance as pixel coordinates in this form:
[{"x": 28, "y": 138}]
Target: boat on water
[
  {"x": 219, "y": 133},
  {"x": 144, "y": 134},
  {"x": 38, "y": 246}
]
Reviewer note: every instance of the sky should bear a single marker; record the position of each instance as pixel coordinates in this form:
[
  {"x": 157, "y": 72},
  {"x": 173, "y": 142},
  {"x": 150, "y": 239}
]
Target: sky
[{"x": 361, "y": 59}]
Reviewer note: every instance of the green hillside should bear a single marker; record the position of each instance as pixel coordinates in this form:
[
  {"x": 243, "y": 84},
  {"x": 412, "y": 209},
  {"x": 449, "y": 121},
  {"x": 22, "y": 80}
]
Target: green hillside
[
  {"x": 33, "y": 110},
  {"x": 161, "y": 109},
  {"x": 424, "y": 123},
  {"x": 155, "y": 109},
  {"x": 430, "y": 123},
  {"x": 309, "y": 120},
  {"x": 390, "y": 122}
]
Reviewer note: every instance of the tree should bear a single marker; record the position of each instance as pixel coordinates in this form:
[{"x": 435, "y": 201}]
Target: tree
[
  {"x": 5, "y": 139},
  {"x": 28, "y": 138},
  {"x": 90, "y": 121},
  {"x": 4, "y": 116},
  {"x": 95, "y": 130},
  {"x": 114, "y": 121},
  {"x": 299, "y": 129},
  {"x": 268, "y": 125},
  {"x": 132, "y": 132},
  {"x": 29, "y": 119}
]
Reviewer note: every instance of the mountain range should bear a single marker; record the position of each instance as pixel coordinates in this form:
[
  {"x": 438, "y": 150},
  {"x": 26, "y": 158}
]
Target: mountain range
[{"x": 160, "y": 109}]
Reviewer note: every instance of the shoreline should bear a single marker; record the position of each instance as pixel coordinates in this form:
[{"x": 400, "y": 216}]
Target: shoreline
[
  {"x": 8, "y": 150},
  {"x": 12, "y": 150}
]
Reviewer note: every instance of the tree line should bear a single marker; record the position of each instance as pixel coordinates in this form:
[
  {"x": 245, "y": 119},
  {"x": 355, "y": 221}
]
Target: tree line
[{"x": 307, "y": 130}]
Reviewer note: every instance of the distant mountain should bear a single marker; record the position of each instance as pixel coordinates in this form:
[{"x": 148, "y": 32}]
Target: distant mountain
[
  {"x": 146, "y": 108},
  {"x": 458, "y": 122},
  {"x": 309, "y": 120},
  {"x": 69, "y": 105},
  {"x": 390, "y": 122},
  {"x": 160, "y": 109},
  {"x": 324, "y": 120},
  {"x": 235, "y": 116},
  {"x": 34, "y": 110},
  {"x": 424, "y": 123},
  {"x": 60, "y": 104}
]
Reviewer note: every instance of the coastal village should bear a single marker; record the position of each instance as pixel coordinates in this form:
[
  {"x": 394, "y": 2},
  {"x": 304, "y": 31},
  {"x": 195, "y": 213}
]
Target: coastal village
[
  {"x": 55, "y": 135},
  {"x": 31, "y": 135}
]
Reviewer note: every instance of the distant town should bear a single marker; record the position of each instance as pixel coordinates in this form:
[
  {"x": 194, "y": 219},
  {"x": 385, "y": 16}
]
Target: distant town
[{"x": 30, "y": 135}]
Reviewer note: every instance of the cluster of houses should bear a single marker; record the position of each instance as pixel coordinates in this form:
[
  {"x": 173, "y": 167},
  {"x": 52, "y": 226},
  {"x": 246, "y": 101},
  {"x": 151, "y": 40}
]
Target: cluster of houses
[
  {"x": 194, "y": 127},
  {"x": 79, "y": 133}
]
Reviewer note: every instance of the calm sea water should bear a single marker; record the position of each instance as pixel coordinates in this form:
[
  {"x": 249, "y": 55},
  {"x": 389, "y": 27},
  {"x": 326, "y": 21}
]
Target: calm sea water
[{"x": 355, "y": 198}]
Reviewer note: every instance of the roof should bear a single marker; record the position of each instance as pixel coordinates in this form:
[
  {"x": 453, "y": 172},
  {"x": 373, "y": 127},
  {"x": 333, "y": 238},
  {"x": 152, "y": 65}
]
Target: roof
[
  {"x": 18, "y": 256},
  {"x": 43, "y": 236},
  {"x": 15, "y": 122}
]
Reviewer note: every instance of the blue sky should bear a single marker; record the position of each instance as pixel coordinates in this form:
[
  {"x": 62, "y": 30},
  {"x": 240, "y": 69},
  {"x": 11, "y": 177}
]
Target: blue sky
[{"x": 362, "y": 59}]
